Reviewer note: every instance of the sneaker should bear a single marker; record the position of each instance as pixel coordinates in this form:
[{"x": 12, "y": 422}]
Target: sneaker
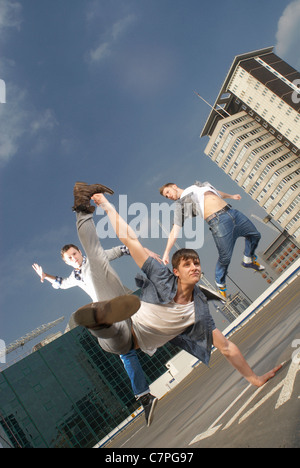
[
  {"x": 148, "y": 402},
  {"x": 222, "y": 291},
  {"x": 254, "y": 265},
  {"x": 98, "y": 315}
]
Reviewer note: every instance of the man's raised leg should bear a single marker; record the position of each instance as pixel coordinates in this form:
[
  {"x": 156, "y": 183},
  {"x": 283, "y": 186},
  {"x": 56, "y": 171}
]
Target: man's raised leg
[
  {"x": 109, "y": 320},
  {"x": 124, "y": 232}
]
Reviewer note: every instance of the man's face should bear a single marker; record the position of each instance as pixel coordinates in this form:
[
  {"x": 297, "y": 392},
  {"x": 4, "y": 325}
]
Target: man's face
[
  {"x": 73, "y": 258},
  {"x": 171, "y": 192},
  {"x": 188, "y": 271}
]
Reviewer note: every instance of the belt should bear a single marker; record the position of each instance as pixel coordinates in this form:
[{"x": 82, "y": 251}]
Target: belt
[{"x": 223, "y": 210}]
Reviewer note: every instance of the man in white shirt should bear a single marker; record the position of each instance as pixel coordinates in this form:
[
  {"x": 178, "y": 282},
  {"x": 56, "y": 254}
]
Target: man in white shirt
[
  {"x": 225, "y": 223},
  {"x": 72, "y": 256}
]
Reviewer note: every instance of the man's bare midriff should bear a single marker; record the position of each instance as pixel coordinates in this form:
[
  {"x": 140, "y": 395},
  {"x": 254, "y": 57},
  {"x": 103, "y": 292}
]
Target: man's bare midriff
[{"x": 212, "y": 204}]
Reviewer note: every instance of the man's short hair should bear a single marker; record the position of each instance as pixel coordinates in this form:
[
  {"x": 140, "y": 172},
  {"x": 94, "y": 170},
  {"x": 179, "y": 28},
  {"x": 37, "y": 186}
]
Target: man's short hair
[
  {"x": 165, "y": 186},
  {"x": 184, "y": 254},
  {"x": 66, "y": 247}
]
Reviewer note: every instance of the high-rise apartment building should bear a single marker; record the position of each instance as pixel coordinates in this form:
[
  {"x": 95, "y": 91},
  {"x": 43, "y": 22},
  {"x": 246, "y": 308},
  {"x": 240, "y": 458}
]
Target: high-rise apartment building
[
  {"x": 280, "y": 254},
  {"x": 254, "y": 133}
]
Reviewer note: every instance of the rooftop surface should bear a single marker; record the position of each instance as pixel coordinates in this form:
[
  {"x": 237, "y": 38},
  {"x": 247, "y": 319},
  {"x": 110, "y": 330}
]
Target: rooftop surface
[{"x": 215, "y": 407}]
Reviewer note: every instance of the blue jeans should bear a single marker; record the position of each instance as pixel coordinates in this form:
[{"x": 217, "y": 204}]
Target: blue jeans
[
  {"x": 226, "y": 228},
  {"x": 135, "y": 372}
]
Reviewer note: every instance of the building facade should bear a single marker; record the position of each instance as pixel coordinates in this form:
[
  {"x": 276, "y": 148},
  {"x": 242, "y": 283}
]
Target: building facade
[
  {"x": 69, "y": 393},
  {"x": 254, "y": 134},
  {"x": 280, "y": 254},
  {"x": 234, "y": 306}
]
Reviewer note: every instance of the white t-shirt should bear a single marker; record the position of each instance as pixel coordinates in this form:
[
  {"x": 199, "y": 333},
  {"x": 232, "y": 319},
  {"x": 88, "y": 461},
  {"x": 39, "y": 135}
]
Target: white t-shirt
[
  {"x": 197, "y": 195},
  {"x": 191, "y": 202},
  {"x": 154, "y": 325}
]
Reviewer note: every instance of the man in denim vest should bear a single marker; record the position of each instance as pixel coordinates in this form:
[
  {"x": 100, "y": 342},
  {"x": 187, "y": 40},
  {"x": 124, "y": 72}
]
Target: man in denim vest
[{"x": 173, "y": 308}]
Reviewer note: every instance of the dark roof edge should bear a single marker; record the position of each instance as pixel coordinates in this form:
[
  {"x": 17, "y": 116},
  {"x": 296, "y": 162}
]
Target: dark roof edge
[{"x": 237, "y": 59}]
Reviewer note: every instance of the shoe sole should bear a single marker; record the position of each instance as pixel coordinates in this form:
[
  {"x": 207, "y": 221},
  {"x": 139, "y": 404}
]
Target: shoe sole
[
  {"x": 245, "y": 265},
  {"x": 96, "y": 188},
  {"x": 106, "y": 313},
  {"x": 83, "y": 192},
  {"x": 151, "y": 414}
]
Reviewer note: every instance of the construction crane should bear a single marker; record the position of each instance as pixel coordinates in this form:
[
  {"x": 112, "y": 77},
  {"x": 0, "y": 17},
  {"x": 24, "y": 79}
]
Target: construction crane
[{"x": 30, "y": 336}]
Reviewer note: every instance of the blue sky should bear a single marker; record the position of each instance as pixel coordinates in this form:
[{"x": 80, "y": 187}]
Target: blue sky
[{"x": 103, "y": 91}]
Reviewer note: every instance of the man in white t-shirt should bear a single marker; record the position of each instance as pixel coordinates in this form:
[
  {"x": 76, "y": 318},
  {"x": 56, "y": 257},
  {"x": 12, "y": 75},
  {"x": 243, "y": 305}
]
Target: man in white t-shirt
[
  {"x": 156, "y": 324},
  {"x": 179, "y": 305},
  {"x": 225, "y": 223}
]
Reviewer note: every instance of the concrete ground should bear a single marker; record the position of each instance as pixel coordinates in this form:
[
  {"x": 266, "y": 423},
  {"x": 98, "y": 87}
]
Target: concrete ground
[{"x": 215, "y": 407}]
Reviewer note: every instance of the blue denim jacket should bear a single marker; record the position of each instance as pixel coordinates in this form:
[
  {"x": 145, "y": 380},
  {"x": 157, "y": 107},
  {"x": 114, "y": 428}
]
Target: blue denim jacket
[{"x": 160, "y": 287}]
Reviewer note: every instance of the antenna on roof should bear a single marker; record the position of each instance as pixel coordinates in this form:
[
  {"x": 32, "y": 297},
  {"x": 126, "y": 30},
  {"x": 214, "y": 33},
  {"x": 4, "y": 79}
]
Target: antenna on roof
[{"x": 213, "y": 108}]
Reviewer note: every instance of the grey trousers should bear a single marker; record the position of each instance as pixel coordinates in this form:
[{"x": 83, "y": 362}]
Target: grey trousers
[{"x": 116, "y": 339}]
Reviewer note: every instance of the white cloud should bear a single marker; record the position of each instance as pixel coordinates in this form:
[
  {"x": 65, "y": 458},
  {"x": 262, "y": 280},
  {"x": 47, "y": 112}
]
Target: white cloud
[
  {"x": 288, "y": 34},
  {"x": 45, "y": 121},
  {"x": 10, "y": 15},
  {"x": 120, "y": 27},
  {"x": 13, "y": 117},
  {"x": 112, "y": 36},
  {"x": 100, "y": 52},
  {"x": 20, "y": 121}
]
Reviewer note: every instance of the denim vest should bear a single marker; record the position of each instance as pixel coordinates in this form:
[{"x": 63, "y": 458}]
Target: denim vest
[{"x": 160, "y": 287}]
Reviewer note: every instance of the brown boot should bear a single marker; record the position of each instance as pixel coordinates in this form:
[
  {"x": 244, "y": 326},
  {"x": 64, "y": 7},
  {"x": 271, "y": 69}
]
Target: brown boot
[
  {"x": 83, "y": 193},
  {"x": 98, "y": 315}
]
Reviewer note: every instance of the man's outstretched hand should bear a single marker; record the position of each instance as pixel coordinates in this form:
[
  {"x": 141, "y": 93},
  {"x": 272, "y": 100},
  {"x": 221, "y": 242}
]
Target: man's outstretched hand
[{"x": 39, "y": 270}]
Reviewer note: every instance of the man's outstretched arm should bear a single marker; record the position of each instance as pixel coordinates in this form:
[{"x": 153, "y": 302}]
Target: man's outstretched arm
[
  {"x": 124, "y": 232},
  {"x": 224, "y": 195},
  {"x": 171, "y": 241},
  {"x": 232, "y": 353}
]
